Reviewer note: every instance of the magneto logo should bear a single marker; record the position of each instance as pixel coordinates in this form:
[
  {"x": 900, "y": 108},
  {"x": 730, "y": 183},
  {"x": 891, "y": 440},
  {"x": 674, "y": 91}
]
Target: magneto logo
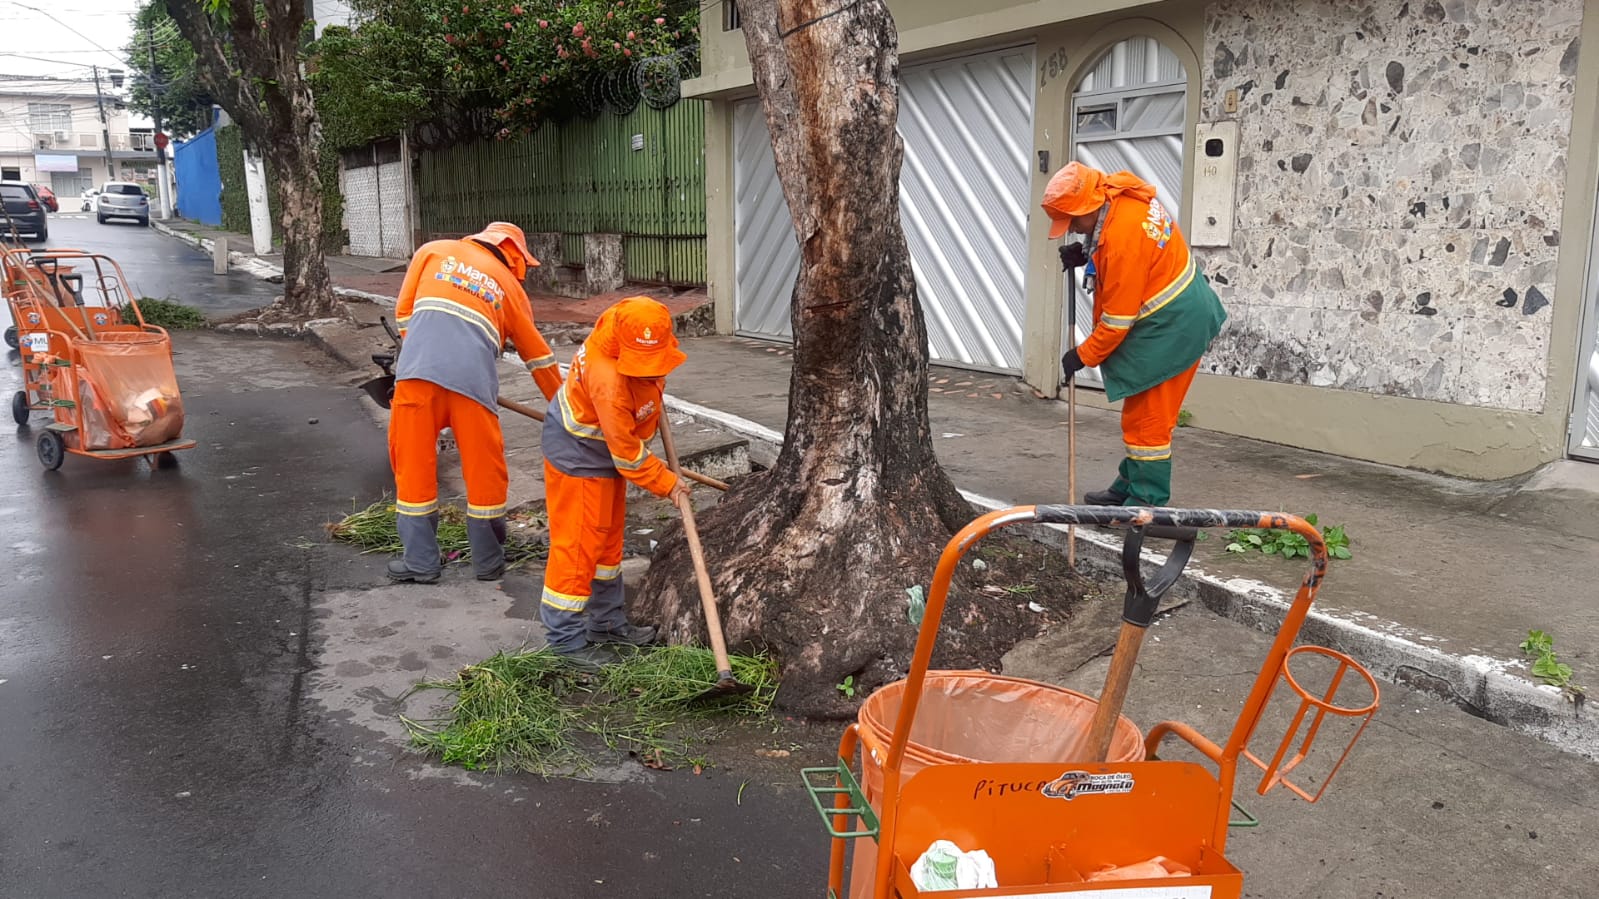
[
  {"x": 448, "y": 265},
  {"x": 1072, "y": 784}
]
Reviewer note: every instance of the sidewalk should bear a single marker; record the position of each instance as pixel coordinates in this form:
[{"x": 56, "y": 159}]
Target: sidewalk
[
  {"x": 378, "y": 280},
  {"x": 1447, "y": 575}
]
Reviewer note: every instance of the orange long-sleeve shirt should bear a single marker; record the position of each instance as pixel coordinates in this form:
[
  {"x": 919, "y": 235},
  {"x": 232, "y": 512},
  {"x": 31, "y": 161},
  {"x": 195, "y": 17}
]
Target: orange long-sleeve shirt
[
  {"x": 1140, "y": 265},
  {"x": 601, "y": 420},
  {"x": 457, "y": 308}
]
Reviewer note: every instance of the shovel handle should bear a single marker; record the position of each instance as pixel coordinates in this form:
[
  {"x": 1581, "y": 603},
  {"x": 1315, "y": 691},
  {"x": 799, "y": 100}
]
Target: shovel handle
[
  {"x": 1109, "y": 710},
  {"x": 536, "y": 415},
  {"x": 713, "y": 618}
]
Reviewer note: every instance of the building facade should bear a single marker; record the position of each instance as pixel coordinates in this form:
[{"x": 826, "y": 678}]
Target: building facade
[
  {"x": 1395, "y": 200},
  {"x": 51, "y": 133}
]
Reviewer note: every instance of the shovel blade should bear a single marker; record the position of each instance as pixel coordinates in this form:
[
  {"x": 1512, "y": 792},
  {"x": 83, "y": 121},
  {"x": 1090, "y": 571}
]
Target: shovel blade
[
  {"x": 726, "y": 686},
  {"x": 380, "y": 389}
]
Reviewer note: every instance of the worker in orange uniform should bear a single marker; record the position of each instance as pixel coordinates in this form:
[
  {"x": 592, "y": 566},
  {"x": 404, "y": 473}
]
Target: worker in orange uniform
[
  {"x": 460, "y": 301},
  {"x": 594, "y": 446},
  {"x": 1155, "y": 315}
]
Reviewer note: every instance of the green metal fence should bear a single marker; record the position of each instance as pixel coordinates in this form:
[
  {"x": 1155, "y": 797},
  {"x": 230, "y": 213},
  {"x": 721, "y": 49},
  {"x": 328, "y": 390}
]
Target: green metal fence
[{"x": 641, "y": 175}]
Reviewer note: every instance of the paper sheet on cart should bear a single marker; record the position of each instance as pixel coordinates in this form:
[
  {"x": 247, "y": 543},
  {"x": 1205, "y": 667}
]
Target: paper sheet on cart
[{"x": 1124, "y": 893}]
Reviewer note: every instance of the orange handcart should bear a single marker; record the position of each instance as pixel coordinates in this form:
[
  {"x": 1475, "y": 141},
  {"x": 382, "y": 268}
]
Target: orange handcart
[
  {"x": 1093, "y": 800},
  {"x": 90, "y": 360}
]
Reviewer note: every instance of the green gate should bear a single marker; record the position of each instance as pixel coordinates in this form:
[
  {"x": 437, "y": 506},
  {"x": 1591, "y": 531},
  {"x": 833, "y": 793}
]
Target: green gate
[{"x": 641, "y": 175}]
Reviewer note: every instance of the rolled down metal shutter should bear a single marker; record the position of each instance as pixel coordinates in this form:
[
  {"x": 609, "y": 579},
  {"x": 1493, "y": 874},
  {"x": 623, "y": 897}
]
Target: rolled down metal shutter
[
  {"x": 964, "y": 188},
  {"x": 1129, "y": 113}
]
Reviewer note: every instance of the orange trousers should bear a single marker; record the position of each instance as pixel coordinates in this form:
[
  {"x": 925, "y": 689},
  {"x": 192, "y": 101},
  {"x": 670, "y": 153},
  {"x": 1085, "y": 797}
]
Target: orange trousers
[
  {"x": 583, "y": 588},
  {"x": 1148, "y": 419},
  {"x": 420, "y": 410}
]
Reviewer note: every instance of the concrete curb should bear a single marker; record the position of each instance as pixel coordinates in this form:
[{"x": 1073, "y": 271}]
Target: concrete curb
[
  {"x": 266, "y": 271},
  {"x": 1481, "y": 686}
]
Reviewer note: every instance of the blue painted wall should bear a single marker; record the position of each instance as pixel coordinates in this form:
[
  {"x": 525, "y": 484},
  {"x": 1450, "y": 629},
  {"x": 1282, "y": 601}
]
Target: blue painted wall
[{"x": 199, "y": 180}]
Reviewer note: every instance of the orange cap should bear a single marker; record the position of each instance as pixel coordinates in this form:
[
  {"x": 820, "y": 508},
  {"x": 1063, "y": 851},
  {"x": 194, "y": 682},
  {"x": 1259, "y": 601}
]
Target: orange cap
[
  {"x": 509, "y": 237},
  {"x": 647, "y": 348},
  {"x": 1073, "y": 191}
]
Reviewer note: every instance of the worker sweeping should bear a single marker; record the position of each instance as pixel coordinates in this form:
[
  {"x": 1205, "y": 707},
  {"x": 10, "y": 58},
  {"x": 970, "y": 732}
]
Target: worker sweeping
[
  {"x": 1154, "y": 316},
  {"x": 460, "y": 302},
  {"x": 594, "y": 446}
]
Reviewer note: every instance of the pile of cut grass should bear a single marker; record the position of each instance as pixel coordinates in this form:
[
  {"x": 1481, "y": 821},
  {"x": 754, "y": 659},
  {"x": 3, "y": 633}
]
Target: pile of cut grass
[
  {"x": 169, "y": 314},
  {"x": 528, "y": 711},
  {"x": 374, "y": 530}
]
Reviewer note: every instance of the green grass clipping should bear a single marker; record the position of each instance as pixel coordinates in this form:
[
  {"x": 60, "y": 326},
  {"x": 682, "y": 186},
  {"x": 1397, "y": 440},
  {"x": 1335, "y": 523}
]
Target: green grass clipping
[
  {"x": 169, "y": 314},
  {"x": 374, "y": 530},
  {"x": 529, "y": 711}
]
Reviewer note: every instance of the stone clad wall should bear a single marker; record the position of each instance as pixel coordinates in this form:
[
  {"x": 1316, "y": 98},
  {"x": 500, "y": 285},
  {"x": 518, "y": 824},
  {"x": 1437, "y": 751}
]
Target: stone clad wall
[{"x": 1400, "y": 184}]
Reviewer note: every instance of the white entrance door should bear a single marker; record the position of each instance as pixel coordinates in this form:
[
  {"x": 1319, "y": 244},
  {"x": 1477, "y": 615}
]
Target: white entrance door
[
  {"x": 963, "y": 194},
  {"x": 1129, "y": 113}
]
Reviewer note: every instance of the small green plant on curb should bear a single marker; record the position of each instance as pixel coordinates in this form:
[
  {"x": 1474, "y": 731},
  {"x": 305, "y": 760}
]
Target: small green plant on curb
[
  {"x": 169, "y": 314},
  {"x": 1546, "y": 666},
  {"x": 1184, "y": 418},
  {"x": 1286, "y": 543},
  {"x": 847, "y": 687}
]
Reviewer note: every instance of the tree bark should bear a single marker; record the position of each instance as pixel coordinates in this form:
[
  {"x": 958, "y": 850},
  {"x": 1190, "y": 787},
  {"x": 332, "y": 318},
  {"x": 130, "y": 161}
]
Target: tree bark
[
  {"x": 812, "y": 559},
  {"x": 252, "y": 68}
]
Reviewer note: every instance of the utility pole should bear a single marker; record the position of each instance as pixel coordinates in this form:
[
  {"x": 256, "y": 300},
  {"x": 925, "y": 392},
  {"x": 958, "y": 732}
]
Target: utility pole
[
  {"x": 160, "y": 144},
  {"x": 105, "y": 126}
]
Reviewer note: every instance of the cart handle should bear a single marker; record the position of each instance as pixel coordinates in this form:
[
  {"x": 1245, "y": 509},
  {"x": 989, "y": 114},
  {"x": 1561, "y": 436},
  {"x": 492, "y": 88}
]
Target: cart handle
[{"x": 1167, "y": 522}]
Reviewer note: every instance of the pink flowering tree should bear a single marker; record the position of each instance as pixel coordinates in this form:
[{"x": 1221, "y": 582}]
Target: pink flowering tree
[{"x": 538, "y": 60}]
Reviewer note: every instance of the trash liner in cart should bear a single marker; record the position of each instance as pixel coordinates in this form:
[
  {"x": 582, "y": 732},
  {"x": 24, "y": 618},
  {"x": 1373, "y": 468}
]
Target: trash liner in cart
[
  {"x": 974, "y": 716},
  {"x": 132, "y": 397}
]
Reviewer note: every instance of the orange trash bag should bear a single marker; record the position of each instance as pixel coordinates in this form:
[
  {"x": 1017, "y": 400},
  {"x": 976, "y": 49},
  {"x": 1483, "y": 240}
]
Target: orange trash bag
[
  {"x": 974, "y": 716},
  {"x": 135, "y": 399}
]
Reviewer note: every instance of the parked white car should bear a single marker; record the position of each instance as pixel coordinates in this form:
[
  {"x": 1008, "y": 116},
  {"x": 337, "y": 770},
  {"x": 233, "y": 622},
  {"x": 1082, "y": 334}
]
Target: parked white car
[{"x": 122, "y": 199}]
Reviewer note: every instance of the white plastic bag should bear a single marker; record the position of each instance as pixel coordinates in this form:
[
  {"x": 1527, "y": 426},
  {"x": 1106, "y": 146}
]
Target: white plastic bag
[{"x": 944, "y": 866}]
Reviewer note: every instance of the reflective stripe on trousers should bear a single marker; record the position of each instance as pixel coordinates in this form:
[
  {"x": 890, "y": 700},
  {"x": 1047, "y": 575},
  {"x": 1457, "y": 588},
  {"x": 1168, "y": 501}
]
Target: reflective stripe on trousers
[
  {"x": 583, "y": 588},
  {"x": 420, "y": 410}
]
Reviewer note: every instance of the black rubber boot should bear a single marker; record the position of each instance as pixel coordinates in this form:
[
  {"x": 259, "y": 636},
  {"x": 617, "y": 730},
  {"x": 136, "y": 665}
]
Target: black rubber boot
[
  {"x": 399, "y": 573},
  {"x": 590, "y": 658},
  {"x": 631, "y": 634},
  {"x": 1107, "y": 497}
]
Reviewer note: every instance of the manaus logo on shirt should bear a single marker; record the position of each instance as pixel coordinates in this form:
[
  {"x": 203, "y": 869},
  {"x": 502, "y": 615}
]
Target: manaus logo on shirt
[{"x": 1158, "y": 225}]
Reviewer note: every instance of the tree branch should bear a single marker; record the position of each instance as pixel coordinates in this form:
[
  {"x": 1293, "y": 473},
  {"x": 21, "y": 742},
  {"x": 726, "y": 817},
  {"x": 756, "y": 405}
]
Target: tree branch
[{"x": 232, "y": 93}]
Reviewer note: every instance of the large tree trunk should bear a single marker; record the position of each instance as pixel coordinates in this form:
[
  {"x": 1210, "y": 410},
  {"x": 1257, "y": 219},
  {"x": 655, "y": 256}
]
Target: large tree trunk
[
  {"x": 252, "y": 67},
  {"x": 295, "y": 157},
  {"x": 812, "y": 559}
]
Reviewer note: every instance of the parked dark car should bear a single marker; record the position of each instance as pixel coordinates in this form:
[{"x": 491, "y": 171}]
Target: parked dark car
[
  {"x": 120, "y": 199},
  {"x": 26, "y": 212},
  {"x": 47, "y": 197}
]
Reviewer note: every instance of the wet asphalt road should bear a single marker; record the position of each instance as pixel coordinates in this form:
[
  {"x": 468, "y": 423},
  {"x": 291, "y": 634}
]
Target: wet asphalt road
[{"x": 157, "y": 633}]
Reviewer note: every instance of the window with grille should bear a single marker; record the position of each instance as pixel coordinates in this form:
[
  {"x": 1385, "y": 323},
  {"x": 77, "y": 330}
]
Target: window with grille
[
  {"x": 730, "y": 19},
  {"x": 47, "y": 117}
]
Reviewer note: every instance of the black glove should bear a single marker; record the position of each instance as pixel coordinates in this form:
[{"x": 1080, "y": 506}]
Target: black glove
[
  {"x": 1073, "y": 255},
  {"x": 1071, "y": 364}
]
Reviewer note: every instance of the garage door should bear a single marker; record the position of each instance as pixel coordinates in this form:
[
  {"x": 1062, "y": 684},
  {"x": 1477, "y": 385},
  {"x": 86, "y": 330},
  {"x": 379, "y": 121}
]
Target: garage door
[{"x": 968, "y": 130}]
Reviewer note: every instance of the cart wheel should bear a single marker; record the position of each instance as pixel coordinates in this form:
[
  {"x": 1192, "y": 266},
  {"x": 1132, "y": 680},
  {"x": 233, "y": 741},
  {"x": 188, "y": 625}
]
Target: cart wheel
[
  {"x": 19, "y": 407},
  {"x": 166, "y": 460},
  {"x": 52, "y": 450},
  {"x": 11, "y": 337}
]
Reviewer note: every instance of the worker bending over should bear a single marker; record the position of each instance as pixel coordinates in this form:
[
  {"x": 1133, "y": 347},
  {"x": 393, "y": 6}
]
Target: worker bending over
[
  {"x": 461, "y": 300},
  {"x": 1154, "y": 316},
  {"x": 594, "y": 446}
]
